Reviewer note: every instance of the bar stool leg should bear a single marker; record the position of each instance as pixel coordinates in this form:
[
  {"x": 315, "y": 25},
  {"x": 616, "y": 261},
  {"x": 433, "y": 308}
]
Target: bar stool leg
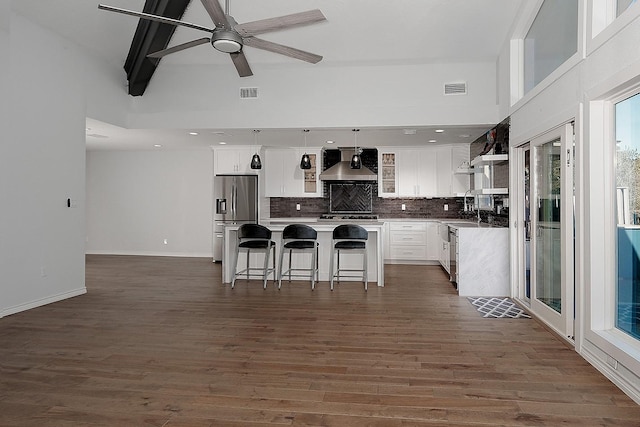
[
  {"x": 265, "y": 272},
  {"x": 365, "y": 272},
  {"x": 280, "y": 267},
  {"x": 333, "y": 252},
  {"x": 235, "y": 268}
]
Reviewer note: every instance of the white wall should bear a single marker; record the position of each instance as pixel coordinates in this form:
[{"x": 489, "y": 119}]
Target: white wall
[
  {"x": 41, "y": 165},
  {"x": 318, "y": 96},
  {"x": 136, "y": 199}
]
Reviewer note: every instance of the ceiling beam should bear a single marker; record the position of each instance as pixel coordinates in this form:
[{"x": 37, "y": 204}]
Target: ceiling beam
[{"x": 150, "y": 36}]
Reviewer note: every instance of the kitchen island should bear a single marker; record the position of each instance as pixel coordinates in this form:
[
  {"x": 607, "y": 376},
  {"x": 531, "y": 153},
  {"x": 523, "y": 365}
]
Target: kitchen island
[
  {"x": 324, "y": 229},
  {"x": 481, "y": 259}
]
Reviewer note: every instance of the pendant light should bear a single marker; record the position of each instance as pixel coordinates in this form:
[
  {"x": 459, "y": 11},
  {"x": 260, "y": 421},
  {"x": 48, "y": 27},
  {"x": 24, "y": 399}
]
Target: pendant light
[
  {"x": 256, "y": 163},
  {"x": 305, "y": 162},
  {"x": 356, "y": 161}
]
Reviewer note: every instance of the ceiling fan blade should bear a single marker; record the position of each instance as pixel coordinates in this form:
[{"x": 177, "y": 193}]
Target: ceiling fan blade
[
  {"x": 279, "y": 23},
  {"x": 178, "y": 48},
  {"x": 282, "y": 50},
  {"x": 156, "y": 18},
  {"x": 216, "y": 13},
  {"x": 240, "y": 61}
]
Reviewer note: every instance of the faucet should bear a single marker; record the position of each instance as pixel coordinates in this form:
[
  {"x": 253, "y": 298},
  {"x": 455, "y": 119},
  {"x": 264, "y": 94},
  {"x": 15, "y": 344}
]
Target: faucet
[{"x": 466, "y": 208}]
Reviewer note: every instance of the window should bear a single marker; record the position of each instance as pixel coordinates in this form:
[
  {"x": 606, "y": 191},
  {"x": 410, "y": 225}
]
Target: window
[
  {"x": 627, "y": 174},
  {"x": 622, "y": 5},
  {"x": 551, "y": 40}
]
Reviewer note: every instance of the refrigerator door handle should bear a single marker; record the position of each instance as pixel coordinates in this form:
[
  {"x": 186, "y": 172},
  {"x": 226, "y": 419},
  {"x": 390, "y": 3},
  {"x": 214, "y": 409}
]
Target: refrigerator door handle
[
  {"x": 234, "y": 202},
  {"x": 221, "y": 206}
]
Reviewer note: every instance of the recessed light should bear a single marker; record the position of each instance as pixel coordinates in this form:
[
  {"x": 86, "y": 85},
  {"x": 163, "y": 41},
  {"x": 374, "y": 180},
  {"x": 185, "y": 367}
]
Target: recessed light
[
  {"x": 464, "y": 135},
  {"x": 409, "y": 131},
  {"x": 432, "y": 140},
  {"x": 329, "y": 142},
  {"x": 193, "y": 133},
  {"x": 157, "y": 145},
  {"x": 439, "y": 130},
  {"x": 222, "y": 143}
]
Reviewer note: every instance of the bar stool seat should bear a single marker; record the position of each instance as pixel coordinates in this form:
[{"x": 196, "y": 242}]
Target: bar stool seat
[
  {"x": 299, "y": 238},
  {"x": 348, "y": 238},
  {"x": 255, "y": 237}
]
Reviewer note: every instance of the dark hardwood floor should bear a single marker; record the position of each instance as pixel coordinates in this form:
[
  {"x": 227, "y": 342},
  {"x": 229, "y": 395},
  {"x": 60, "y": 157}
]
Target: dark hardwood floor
[{"x": 161, "y": 342}]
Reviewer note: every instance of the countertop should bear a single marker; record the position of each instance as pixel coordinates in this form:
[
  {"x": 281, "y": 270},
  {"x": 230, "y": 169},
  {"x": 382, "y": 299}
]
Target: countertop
[{"x": 452, "y": 222}]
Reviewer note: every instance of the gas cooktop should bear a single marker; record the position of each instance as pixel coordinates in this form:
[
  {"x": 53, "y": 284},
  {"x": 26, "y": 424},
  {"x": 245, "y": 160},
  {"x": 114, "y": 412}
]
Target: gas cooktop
[{"x": 348, "y": 217}]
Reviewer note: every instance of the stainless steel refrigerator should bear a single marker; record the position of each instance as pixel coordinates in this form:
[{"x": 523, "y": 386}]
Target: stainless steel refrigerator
[{"x": 236, "y": 202}]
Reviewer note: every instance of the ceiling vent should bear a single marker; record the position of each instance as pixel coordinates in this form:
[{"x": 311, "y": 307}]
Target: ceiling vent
[
  {"x": 455, "y": 88},
  {"x": 248, "y": 92}
]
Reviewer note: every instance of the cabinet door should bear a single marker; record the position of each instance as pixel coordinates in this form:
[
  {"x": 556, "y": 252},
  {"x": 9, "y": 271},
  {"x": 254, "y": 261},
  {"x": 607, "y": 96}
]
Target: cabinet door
[
  {"x": 444, "y": 171},
  {"x": 407, "y": 163},
  {"x": 433, "y": 241},
  {"x": 311, "y": 185},
  {"x": 426, "y": 172},
  {"x": 233, "y": 161},
  {"x": 283, "y": 176},
  {"x": 387, "y": 174}
]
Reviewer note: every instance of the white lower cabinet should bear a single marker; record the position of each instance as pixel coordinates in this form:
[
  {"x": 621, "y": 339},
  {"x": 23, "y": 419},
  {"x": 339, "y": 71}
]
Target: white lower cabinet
[{"x": 409, "y": 241}]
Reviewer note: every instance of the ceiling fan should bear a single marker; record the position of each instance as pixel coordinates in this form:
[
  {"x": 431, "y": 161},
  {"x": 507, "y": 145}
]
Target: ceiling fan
[{"x": 230, "y": 37}]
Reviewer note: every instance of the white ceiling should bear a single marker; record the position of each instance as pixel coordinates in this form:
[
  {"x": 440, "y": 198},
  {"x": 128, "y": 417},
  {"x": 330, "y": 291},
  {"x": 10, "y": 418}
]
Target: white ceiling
[{"x": 357, "y": 32}]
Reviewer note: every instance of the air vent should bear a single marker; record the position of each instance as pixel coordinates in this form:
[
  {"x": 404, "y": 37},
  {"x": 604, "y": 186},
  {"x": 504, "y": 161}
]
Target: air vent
[
  {"x": 248, "y": 92},
  {"x": 455, "y": 88}
]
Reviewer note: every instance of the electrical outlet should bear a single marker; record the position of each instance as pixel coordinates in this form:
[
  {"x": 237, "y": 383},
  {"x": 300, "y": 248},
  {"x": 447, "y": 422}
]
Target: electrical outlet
[
  {"x": 403, "y": 207},
  {"x": 297, "y": 206},
  {"x": 446, "y": 207}
]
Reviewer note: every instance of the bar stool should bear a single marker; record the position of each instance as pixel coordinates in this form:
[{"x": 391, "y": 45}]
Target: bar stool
[
  {"x": 300, "y": 238},
  {"x": 255, "y": 237},
  {"x": 348, "y": 238}
]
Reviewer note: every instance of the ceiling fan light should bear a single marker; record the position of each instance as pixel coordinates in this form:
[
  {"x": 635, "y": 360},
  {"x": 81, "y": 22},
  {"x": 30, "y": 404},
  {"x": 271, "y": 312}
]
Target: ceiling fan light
[
  {"x": 305, "y": 162},
  {"x": 256, "y": 163},
  {"x": 226, "y": 41}
]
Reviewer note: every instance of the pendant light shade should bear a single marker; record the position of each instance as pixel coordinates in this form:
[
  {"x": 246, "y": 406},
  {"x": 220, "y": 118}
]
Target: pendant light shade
[
  {"x": 356, "y": 161},
  {"x": 305, "y": 161},
  {"x": 256, "y": 163}
]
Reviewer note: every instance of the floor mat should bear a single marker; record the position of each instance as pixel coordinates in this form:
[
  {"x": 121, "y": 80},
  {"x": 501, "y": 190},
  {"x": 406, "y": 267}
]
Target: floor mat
[{"x": 498, "y": 308}]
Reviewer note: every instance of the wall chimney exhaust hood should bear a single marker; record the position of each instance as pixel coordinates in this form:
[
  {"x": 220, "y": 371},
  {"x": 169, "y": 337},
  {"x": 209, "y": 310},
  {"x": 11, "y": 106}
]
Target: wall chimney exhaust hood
[{"x": 342, "y": 171}]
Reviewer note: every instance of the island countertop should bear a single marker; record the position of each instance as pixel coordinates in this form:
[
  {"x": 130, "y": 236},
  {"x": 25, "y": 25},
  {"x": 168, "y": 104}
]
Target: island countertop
[{"x": 324, "y": 229}]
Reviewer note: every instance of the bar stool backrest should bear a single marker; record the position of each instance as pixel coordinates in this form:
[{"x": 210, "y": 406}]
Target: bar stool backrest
[
  {"x": 254, "y": 231},
  {"x": 351, "y": 232},
  {"x": 299, "y": 231}
]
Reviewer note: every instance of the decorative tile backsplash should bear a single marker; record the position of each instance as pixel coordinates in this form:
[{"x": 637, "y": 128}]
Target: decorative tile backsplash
[{"x": 285, "y": 207}]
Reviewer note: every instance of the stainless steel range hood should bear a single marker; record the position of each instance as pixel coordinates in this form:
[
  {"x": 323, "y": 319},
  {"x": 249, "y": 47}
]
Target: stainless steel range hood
[{"x": 342, "y": 171}]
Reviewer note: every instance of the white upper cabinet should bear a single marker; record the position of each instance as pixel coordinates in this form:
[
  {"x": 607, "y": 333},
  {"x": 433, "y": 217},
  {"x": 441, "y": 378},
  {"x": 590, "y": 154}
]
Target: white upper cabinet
[
  {"x": 387, "y": 173},
  {"x": 233, "y": 160},
  {"x": 283, "y": 176},
  {"x": 422, "y": 172},
  {"x": 416, "y": 170}
]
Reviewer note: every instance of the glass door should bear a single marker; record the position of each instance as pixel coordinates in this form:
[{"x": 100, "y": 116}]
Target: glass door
[{"x": 547, "y": 198}]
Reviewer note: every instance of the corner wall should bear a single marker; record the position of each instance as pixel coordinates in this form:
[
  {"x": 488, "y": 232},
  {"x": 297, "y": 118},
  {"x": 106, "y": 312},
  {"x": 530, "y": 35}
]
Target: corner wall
[{"x": 41, "y": 166}]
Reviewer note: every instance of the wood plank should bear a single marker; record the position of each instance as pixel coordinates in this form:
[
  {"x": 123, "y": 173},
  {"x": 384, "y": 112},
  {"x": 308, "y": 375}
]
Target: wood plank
[{"x": 160, "y": 341}]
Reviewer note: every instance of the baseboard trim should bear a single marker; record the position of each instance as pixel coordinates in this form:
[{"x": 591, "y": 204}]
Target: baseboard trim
[
  {"x": 42, "y": 301},
  {"x": 621, "y": 382},
  {"x": 151, "y": 253}
]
